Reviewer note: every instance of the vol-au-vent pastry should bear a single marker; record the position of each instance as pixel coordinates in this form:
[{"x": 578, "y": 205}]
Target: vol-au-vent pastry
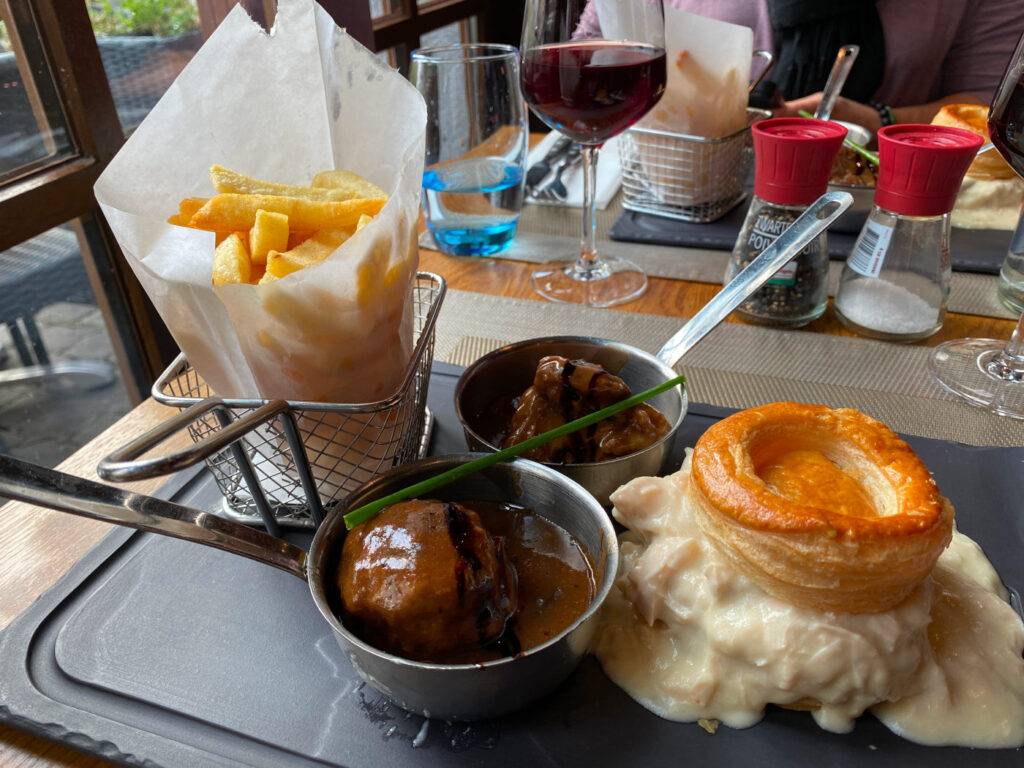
[
  {"x": 824, "y": 509},
  {"x": 764, "y": 572}
]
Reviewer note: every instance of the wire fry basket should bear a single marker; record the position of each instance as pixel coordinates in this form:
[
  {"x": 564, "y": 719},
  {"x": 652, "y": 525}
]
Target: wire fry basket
[
  {"x": 684, "y": 177},
  {"x": 283, "y": 462}
]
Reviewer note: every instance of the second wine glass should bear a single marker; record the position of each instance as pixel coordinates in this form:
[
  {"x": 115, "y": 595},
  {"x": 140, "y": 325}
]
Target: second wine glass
[
  {"x": 590, "y": 70},
  {"x": 988, "y": 372}
]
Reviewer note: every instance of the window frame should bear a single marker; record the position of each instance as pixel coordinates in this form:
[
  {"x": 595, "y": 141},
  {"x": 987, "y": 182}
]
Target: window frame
[
  {"x": 402, "y": 29},
  {"x": 60, "y": 190}
]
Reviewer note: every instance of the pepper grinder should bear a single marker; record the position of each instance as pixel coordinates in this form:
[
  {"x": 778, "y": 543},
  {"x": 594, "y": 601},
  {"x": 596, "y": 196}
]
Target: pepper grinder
[
  {"x": 896, "y": 281},
  {"x": 793, "y": 157}
]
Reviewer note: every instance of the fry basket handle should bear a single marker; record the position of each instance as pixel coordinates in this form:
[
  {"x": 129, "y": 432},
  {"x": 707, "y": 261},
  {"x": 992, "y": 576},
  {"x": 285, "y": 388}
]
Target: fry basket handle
[
  {"x": 769, "y": 62},
  {"x": 124, "y": 465}
]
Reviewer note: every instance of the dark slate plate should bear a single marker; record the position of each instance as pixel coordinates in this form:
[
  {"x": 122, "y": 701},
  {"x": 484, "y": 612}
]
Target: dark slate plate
[
  {"x": 971, "y": 250},
  {"x": 152, "y": 651}
]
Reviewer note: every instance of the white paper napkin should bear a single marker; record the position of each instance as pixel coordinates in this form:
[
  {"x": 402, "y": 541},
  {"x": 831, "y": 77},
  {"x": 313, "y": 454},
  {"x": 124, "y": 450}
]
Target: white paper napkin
[
  {"x": 609, "y": 174},
  {"x": 304, "y": 98}
]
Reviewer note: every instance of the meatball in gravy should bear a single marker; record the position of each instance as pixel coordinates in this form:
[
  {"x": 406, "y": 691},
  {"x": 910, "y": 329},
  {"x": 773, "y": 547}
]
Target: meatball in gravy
[
  {"x": 461, "y": 583},
  {"x": 424, "y": 579}
]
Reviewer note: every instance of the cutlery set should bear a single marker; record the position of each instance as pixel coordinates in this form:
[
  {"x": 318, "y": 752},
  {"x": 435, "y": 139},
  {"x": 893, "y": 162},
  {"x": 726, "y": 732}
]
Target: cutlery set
[{"x": 544, "y": 179}]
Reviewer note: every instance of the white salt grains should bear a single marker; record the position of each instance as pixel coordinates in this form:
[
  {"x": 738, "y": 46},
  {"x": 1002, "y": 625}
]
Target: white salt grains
[{"x": 886, "y": 307}]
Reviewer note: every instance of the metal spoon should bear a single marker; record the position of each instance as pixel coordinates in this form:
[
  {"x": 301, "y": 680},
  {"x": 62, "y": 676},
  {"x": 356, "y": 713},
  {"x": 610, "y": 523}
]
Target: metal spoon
[
  {"x": 809, "y": 225},
  {"x": 836, "y": 80}
]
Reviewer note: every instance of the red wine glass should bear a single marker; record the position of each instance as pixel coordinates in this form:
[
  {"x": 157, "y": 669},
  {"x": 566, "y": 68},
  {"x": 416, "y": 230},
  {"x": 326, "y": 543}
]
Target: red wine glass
[
  {"x": 989, "y": 372},
  {"x": 591, "y": 69}
]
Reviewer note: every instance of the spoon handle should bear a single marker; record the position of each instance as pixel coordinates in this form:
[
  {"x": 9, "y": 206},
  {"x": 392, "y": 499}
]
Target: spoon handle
[
  {"x": 836, "y": 80},
  {"x": 800, "y": 233}
]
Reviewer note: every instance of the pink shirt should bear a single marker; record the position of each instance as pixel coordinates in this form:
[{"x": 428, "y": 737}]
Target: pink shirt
[{"x": 932, "y": 47}]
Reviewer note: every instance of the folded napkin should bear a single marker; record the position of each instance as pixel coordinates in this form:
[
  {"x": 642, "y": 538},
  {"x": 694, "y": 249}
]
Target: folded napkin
[{"x": 609, "y": 174}]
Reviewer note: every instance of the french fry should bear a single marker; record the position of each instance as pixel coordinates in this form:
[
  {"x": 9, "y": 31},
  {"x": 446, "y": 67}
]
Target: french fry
[
  {"x": 231, "y": 262},
  {"x": 232, "y": 211},
  {"x": 269, "y": 233},
  {"x": 347, "y": 183},
  {"x": 226, "y": 180},
  {"x": 312, "y": 251},
  {"x": 187, "y": 208},
  {"x": 297, "y": 238},
  {"x": 267, "y": 277},
  {"x": 363, "y": 221}
]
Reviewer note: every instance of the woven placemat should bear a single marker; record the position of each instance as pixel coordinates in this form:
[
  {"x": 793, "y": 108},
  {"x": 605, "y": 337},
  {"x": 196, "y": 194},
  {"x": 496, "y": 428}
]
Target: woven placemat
[
  {"x": 547, "y": 233},
  {"x": 739, "y": 366}
]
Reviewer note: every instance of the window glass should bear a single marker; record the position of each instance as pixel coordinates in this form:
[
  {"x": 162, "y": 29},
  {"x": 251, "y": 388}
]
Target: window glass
[
  {"x": 144, "y": 44},
  {"x": 396, "y": 56},
  {"x": 60, "y": 382},
  {"x": 33, "y": 130},
  {"x": 381, "y": 8},
  {"x": 457, "y": 32}
]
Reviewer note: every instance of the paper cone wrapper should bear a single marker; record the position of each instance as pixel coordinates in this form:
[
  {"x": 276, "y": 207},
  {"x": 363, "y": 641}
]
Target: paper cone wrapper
[{"x": 283, "y": 106}]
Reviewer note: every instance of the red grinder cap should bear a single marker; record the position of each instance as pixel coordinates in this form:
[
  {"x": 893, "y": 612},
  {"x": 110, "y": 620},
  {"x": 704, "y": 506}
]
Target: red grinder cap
[
  {"x": 793, "y": 157},
  {"x": 920, "y": 167}
]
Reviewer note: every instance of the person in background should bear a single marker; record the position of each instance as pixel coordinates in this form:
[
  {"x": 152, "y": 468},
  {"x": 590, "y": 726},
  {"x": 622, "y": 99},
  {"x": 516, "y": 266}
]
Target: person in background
[{"x": 915, "y": 55}]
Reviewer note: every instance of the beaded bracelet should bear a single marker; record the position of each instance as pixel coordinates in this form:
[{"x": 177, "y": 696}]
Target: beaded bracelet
[{"x": 885, "y": 115}]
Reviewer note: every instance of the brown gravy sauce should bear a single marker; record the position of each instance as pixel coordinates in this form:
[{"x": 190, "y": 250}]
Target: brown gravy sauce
[{"x": 555, "y": 581}]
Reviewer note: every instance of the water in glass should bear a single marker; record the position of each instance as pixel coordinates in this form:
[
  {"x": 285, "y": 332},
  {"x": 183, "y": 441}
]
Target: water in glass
[{"x": 477, "y": 138}]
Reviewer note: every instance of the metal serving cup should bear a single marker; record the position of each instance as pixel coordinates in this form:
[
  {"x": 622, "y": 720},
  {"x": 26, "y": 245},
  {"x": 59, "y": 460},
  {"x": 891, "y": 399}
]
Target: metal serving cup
[
  {"x": 447, "y": 691},
  {"x": 853, "y": 220},
  {"x": 492, "y": 688},
  {"x": 507, "y": 372}
]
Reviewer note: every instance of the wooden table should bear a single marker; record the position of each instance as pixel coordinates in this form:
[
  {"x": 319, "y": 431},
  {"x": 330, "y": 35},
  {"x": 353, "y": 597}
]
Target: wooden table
[{"x": 37, "y": 546}]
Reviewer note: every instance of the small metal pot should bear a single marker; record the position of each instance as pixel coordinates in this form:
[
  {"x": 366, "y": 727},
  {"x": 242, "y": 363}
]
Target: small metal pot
[
  {"x": 492, "y": 688},
  {"x": 507, "y": 372},
  {"x": 447, "y": 691}
]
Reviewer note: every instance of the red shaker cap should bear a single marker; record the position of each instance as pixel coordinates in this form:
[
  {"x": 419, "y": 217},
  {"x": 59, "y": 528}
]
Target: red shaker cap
[
  {"x": 920, "y": 167},
  {"x": 793, "y": 158}
]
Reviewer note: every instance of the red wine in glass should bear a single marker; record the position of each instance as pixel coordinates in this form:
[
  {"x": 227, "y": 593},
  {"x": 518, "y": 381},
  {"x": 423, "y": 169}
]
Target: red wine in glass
[
  {"x": 1006, "y": 125},
  {"x": 591, "y": 70},
  {"x": 591, "y": 90}
]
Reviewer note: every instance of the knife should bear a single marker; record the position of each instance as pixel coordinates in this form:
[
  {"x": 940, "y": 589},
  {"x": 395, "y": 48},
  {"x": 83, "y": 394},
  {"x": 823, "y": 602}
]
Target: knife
[{"x": 540, "y": 170}]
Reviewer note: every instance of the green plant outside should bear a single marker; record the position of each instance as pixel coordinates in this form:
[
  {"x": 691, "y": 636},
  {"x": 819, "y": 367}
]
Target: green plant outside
[{"x": 159, "y": 18}]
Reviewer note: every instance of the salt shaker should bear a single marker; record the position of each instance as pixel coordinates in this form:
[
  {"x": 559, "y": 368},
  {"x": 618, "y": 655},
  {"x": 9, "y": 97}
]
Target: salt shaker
[
  {"x": 792, "y": 160},
  {"x": 896, "y": 280}
]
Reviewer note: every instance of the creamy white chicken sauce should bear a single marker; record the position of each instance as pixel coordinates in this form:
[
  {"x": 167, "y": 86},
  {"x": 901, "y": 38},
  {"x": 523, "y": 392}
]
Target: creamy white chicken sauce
[{"x": 691, "y": 638}]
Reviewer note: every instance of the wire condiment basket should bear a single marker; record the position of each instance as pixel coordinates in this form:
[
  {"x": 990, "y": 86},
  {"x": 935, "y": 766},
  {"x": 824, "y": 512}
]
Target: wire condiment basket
[
  {"x": 280, "y": 462},
  {"x": 685, "y": 177}
]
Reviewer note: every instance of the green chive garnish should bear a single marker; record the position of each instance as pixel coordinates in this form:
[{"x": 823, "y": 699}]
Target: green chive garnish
[
  {"x": 867, "y": 154},
  {"x": 365, "y": 512}
]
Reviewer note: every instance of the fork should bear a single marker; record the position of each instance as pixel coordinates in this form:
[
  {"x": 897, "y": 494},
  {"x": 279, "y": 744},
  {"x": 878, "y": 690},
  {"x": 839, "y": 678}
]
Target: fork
[{"x": 555, "y": 189}]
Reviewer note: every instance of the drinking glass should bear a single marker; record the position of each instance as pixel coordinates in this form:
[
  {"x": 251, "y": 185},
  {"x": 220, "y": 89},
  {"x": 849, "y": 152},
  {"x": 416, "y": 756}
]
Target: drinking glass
[
  {"x": 477, "y": 137},
  {"x": 987, "y": 372},
  {"x": 591, "y": 69}
]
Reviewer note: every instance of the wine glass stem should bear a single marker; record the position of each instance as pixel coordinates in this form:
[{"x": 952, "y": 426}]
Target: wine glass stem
[
  {"x": 1011, "y": 359},
  {"x": 587, "y": 260}
]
